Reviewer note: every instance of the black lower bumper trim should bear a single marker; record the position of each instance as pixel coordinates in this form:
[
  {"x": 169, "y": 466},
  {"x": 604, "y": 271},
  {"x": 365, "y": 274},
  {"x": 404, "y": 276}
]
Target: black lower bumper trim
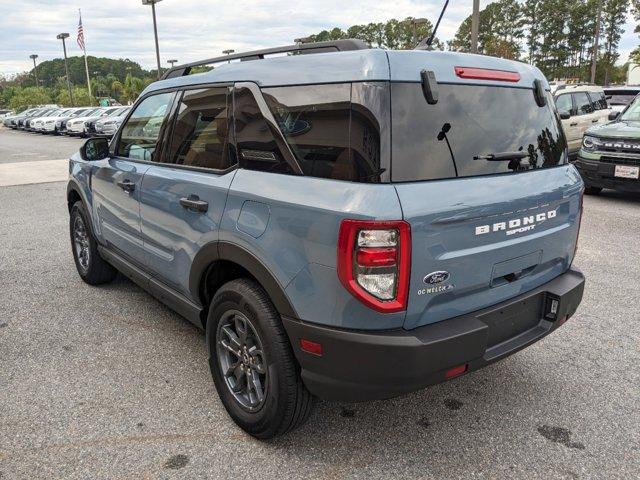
[
  {"x": 602, "y": 175},
  {"x": 360, "y": 366}
]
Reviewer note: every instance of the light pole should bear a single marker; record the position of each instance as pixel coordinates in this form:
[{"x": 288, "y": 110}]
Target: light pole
[
  {"x": 35, "y": 67},
  {"x": 63, "y": 36},
  {"x": 475, "y": 26},
  {"x": 172, "y": 62},
  {"x": 229, "y": 51},
  {"x": 414, "y": 22},
  {"x": 155, "y": 29}
]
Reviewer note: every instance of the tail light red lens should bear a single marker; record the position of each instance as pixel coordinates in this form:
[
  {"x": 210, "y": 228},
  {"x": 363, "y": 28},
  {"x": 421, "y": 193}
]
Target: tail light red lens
[{"x": 374, "y": 262}]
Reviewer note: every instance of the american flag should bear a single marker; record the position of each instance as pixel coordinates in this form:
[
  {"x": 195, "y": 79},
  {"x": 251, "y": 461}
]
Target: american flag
[{"x": 81, "y": 34}]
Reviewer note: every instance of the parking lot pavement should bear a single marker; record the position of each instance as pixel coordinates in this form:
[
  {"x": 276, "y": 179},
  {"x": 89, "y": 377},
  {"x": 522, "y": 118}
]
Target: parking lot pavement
[
  {"x": 19, "y": 146},
  {"x": 108, "y": 383}
]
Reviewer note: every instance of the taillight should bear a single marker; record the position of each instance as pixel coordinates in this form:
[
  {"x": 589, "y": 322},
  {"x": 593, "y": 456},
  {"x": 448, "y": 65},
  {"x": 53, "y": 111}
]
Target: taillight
[{"x": 374, "y": 262}]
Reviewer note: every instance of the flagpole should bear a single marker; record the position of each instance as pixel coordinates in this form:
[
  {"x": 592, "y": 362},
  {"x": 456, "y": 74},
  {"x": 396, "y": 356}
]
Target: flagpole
[{"x": 86, "y": 65}]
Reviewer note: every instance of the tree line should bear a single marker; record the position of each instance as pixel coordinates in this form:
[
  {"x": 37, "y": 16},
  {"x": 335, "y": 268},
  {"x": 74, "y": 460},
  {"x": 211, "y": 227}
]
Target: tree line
[
  {"x": 120, "y": 79},
  {"x": 555, "y": 35}
]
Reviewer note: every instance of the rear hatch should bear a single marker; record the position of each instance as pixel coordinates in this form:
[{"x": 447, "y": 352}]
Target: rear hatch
[{"x": 484, "y": 229}]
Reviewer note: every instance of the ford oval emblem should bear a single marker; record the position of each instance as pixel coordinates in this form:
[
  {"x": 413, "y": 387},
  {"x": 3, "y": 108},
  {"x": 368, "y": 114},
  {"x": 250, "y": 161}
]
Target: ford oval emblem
[{"x": 436, "y": 277}]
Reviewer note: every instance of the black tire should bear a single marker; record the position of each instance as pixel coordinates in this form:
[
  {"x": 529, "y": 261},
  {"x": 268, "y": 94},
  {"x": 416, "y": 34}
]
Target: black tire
[
  {"x": 286, "y": 402},
  {"x": 92, "y": 268},
  {"x": 592, "y": 190}
]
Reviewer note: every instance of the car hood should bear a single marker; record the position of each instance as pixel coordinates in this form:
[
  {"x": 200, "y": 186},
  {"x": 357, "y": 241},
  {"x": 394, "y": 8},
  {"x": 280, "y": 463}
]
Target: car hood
[
  {"x": 119, "y": 118},
  {"x": 82, "y": 119},
  {"x": 621, "y": 129}
]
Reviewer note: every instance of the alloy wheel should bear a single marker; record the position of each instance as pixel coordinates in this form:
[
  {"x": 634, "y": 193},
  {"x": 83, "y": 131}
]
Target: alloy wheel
[{"x": 242, "y": 360}]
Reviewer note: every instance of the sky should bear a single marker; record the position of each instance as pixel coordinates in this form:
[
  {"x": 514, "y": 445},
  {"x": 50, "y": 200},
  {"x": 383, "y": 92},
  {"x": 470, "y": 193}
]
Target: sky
[{"x": 190, "y": 30}]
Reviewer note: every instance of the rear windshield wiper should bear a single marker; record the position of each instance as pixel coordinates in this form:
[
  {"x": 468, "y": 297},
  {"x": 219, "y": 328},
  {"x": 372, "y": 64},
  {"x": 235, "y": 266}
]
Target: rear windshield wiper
[{"x": 502, "y": 156}]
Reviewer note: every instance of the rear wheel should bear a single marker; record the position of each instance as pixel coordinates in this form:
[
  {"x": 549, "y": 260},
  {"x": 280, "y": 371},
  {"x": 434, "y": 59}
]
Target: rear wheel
[
  {"x": 92, "y": 268},
  {"x": 252, "y": 364},
  {"x": 592, "y": 190}
]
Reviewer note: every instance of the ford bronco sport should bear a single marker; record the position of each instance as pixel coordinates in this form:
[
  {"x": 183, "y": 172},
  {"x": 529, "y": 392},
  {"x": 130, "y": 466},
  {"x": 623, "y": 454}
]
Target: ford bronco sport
[
  {"x": 346, "y": 223},
  {"x": 610, "y": 153}
]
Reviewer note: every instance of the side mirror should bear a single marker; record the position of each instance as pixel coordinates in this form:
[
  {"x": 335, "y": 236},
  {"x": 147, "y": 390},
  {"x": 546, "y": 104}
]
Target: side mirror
[
  {"x": 95, "y": 149},
  {"x": 613, "y": 115},
  {"x": 565, "y": 115}
]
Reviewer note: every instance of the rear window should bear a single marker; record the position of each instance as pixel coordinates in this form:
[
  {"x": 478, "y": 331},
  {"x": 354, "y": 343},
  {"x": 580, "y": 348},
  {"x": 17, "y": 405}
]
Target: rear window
[
  {"x": 471, "y": 121},
  {"x": 620, "y": 97}
]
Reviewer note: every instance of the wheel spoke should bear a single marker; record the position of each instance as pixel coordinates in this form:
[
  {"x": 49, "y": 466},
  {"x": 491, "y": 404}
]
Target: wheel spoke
[
  {"x": 241, "y": 328},
  {"x": 232, "y": 336},
  {"x": 228, "y": 347},
  {"x": 257, "y": 387}
]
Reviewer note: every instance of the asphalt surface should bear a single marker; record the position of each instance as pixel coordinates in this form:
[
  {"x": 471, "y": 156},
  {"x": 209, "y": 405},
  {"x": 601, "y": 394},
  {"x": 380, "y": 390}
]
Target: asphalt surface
[
  {"x": 20, "y": 146},
  {"x": 108, "y": 383}
]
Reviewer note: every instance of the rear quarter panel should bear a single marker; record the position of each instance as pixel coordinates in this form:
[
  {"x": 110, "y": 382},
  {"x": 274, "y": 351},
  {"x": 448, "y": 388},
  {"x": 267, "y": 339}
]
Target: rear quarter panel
[{"x": 291, "y": 224}]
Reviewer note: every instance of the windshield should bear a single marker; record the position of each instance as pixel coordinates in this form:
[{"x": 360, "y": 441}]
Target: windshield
[
  {"x": 632, "y": 113},
  {"x": 620, "y": 97},
  {"x": 469, "y": 129}
]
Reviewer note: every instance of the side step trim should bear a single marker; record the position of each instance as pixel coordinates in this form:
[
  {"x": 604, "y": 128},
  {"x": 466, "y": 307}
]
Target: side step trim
[{"x": 172, "y": 299}]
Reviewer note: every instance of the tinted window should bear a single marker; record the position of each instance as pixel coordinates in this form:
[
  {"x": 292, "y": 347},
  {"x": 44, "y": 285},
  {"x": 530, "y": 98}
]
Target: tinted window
[
  {"x": 621, "y": 97},
  {"x": 258, "y": 148},
  {"x": 472, "y": 121},
  {"x": 583, "y": 103},
  {"x": 328, "y": 136},
  {"x": 598, "y": 100},
  {"x": 201, "y": 131},
  {"x": 564, "y": 103},
  {"x": 140, "y": 134}
]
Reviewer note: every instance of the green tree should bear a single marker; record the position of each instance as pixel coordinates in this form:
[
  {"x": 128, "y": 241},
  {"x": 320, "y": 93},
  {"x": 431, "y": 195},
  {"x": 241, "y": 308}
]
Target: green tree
[
  {"x": 614, "y": 13},
  {"x": 500, "y": 31},
  {"x": 393, "y": 34},
  {"x": 81, "y": 97},
  {"x": 28, "y": 96}
]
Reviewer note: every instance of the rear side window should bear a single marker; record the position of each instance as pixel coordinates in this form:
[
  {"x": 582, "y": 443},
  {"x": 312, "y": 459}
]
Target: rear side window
[
  {"x": 140, "y": 134},
  {"x": 256, "y": 142},
  {"x": 598, "y": 100},
  {"x": 201, "y": 131},
  {"x": 468, "y": 125},
  {"x": 330, "y": 135},
  {"x": 583, "y": 103}
]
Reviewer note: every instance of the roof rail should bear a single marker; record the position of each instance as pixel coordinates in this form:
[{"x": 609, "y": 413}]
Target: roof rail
[
  {"x": 302, "y": 48},
  {"x": 580, "y": 84}
]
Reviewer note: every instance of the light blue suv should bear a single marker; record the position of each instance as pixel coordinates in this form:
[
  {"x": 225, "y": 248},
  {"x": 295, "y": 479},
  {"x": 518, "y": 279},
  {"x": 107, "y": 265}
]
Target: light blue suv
[{"x": 346, "y": 223}]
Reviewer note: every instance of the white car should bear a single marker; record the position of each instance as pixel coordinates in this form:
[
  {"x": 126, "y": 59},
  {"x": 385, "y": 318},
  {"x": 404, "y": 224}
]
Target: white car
[
  {"x": 580, "y": 107},
  {"x": 76, "y": 127},
  {"x": 107, "y": 127},
  {"x": 38, "y": 124},
  {"x": 30, "y": 124}
]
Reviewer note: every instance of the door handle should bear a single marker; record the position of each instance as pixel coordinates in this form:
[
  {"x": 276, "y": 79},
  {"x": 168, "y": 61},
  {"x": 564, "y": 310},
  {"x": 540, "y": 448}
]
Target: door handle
[
  {"x": 126, "y": 185},
  {"x": 193, "y": 202},
  {"x": 595, "y": 120},
  {"x": 573, "y": 124}
]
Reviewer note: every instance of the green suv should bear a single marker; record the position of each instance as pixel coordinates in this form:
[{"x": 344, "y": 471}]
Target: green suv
[{"x": 610, "y": 153}]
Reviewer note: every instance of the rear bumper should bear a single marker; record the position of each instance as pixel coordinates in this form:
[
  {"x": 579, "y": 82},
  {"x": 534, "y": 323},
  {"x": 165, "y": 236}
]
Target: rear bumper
[
  {"x": 601, "y": 174},
  {"x": 361, "y": 366}
]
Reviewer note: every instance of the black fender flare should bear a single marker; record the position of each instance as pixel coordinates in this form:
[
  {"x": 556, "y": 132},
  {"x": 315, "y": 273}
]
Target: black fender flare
[
  {"x": 73, "y": 185},
  {"x": 215, "y": 251}
]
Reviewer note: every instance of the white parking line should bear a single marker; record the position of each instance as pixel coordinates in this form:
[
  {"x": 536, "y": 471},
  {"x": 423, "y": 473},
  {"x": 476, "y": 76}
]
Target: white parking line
[{"x": 25, "y": 173}]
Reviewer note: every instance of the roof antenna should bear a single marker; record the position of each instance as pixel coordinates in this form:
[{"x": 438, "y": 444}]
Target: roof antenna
[{"x": 425, "y": 44}]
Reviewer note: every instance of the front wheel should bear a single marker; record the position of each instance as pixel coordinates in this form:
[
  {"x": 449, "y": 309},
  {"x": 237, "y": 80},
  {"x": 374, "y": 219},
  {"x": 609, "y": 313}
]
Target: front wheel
[{"x": 252, "y": 364}]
